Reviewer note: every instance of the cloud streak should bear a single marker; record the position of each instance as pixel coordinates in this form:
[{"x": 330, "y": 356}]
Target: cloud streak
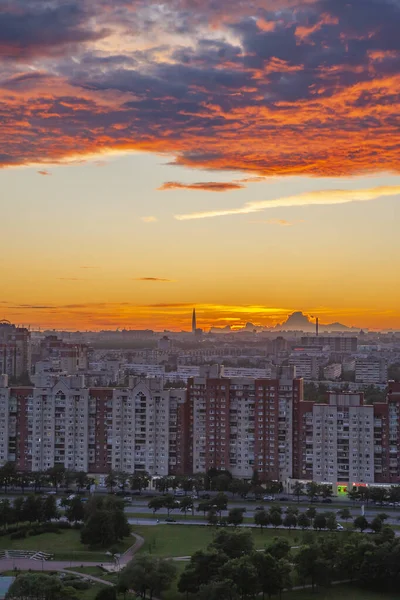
[
  {"x": 316, "y": 198},
  {"x": 208, "y": 186},
  {"x": 154, "y": 279}
]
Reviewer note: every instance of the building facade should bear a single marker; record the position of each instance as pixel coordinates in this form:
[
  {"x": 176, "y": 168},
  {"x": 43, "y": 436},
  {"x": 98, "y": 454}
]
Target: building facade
[
  {"x": 371, "y": 370},
  {"x": 15, "y": 351}
]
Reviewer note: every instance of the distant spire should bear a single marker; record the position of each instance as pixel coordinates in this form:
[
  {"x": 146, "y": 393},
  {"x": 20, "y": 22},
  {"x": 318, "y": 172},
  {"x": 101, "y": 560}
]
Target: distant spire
[{"x": 194, "y": 324}]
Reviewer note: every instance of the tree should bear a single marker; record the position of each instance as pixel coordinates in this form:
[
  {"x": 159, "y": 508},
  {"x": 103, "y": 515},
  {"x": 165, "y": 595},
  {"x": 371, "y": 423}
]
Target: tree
[
  {"x": 261, "y": 518},
  {"x": 156, "y": 503},
  {"x": 235, "y": 516},
  {"x": 310, "y": 567},
  {"x": 82, "y": 480},
  {"x": 212, "y": 517},
  {"x": 98, "y": 530},
  {"x": 312, "y": 490},
  {"x": 139, "y": 481},
  {"x": 49, "y": 508},
  {"x": 345, "y": 514},
  {"x": 243, "y": 574},
  {"x": 204, "y": 507},
  {"x": 311, "y": 513},
  {"x": 376, "y": 525},
  {"x": 319, "y": 521},
  {"x": 6, "y": 513},
  {"x": 303, "y": 521},
  {"x": 186, "y": 504},
  {"x": 360, "y": 523},
  {"x": 221, "y": 483},
  {"x": 298, "y": 490},
  {"x": 8, "y": 475},
  {"x": 267, "y": 573},
  {"x": 56, "y": 475},
  {"x": 148, "y": 574},
  {"x": 235, "y": 486},
  {"x": 122, "y": 479},
  {"x": 111, "y": 481},
  {"x": 290, "y": 520},
  {"x": 331, "y": 522},
  {"x": 32, "y": 509},
  {"x": 38, "y": 480},
  {"x": 18, "y": 507},
  {"x": 233, "y": 543},
  {"x": 377, "y": 495},
  {"x": 353, "y": 494},
  {"x": 275, "y": 518},
  {"x": 279, "y": 548},
  {"x": 38, "y": 586},
  {"x": 219, "y": 590},
  {"x": 204, "y": 566},
  {"x": 23, "y": 480},
  {"x": 220, "y": 503},
  {"x": 76, "y": 510},
  {"x": 106, "y": 593},
  {"x": 169, "y": 503},
  {"x": 326, "y": 491}
]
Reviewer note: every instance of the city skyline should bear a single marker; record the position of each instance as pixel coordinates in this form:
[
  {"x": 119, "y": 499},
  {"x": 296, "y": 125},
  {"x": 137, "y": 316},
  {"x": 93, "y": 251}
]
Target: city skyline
[{"x": 240, "y": 157}]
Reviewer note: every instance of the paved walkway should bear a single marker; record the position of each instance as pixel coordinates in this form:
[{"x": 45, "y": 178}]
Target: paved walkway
[{"x": 26, "y": 564}]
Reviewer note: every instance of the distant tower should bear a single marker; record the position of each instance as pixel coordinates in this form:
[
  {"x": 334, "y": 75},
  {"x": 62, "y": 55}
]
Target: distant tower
[{"x": 194, "y": 324}]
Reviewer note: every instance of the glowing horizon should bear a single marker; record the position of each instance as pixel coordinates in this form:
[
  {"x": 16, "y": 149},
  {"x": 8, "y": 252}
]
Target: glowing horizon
[{"x": 229, "y": 155}]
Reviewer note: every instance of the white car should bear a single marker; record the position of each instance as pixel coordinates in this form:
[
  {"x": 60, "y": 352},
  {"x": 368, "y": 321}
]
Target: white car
[{"x": 339, "y": 527}]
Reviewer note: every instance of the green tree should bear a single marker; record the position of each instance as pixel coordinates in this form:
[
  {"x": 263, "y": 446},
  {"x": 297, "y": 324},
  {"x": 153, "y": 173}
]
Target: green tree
[
  {"x": 279, "y": 548},
  {"x": 76, "y": 510},
  {"x": 204, "y": 507},
  {"x": 169, "y": 503},
  {"x": 220, "y": 503},
  {"x": 18, "y": 507},
  {"x": 261, "y": 518},
  {"x": 275, "y": 518},
  {"x": 331, "y": 522},
  {"x": 360, "y": 523},
  {"x": 8, "y": 475},
  {"x": 111, "y": 481},
  {"x": 148, "y": 574},
  {"x": 49, "y": 508},
  {"x": 376, "y": 525},
  {"x": 6, "y": 513},
  {"x": 235, "y": 516},
  {"x": 219, "y": 590},
  {"x": 23, "y": 479},
  {"x": 106, "y": 593},
  {"x": 290, "y": 520},
  {"x": 319, "y": 521},
  {"x": 98, "y": 530},
  {"x": 303, "y": 521},
  {"x": 311, "y": 513},
  {"x": 82, "y": 480},
  {"x": 186, "y": 504},
  {"x": 156, "y": 503},
  {"x": 298, "y": 490},
  {"x": 204, "y": 566},
  {"x": 326, "y": 491},
  {"x": 345, "y": 514},
  {"x": 37, "y": 586},
  {"x": 39, "y": 479},
  {"x": 122, "y": 479},
  {"x": 212, "y": 517},
  {"x": 310, "y": 567},
  {"x": 243, "y": 574},
  {"x": 56, "y": 475},
  {"x": 312, "y": 490},
  {"x": 233, "y": 543},
  {"x": 32, "y": 509},
  {"x": 139, "y": 481}
]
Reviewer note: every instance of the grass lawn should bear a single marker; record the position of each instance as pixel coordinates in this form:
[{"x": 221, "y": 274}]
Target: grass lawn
[
  {"x": 344, "y": 592},
  {"x": 182, "y": 540},
  {"x": 65, "y": 545},
  {"x": 96, "y": 572}
]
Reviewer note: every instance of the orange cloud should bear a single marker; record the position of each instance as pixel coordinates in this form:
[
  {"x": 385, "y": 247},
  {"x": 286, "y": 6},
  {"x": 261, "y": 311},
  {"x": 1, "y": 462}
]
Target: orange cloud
[
  {"x": 210, "y": 186},
  {"x": 154, "y": 279},
  {"x": 44, "y": 173}
]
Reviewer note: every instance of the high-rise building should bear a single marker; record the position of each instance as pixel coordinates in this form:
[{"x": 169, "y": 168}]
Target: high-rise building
[
  {"x": 336, "y": 343},
  {"x": 371, "y": 370},
  {"x": 243, "y": 424},
  {"x": 15, "y": 351}
]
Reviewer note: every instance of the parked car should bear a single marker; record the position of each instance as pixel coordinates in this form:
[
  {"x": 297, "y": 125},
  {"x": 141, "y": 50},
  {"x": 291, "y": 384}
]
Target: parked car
[
  {"x": 259, "y": 508},
  {"x": 327, "y": 501},
  {"x": 339, "y": 527},
  {"x": 268, "y": 498},
  {"x": 205, "y": 496},
  {"x": 170, "y": 520},
  {"x": 283, "y": 499}
]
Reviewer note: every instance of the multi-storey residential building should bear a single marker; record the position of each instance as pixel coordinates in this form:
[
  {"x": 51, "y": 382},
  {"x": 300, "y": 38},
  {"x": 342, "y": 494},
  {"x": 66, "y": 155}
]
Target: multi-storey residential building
[
  {"x": 307, "y": 365},
  {"x": 15, "y": 350},
  {"x": 371, "y": 370},
  {"x": 139, "y": 428},
  {"x": 242, "y": 424},
  {"x": 333, "y": 371},
  {"x": 336, "y": 343},
  {"x": 65, "y": 357}
]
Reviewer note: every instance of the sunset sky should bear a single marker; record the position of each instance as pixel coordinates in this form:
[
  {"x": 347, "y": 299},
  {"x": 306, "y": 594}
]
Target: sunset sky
[{"x": 242, "y": 156}]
